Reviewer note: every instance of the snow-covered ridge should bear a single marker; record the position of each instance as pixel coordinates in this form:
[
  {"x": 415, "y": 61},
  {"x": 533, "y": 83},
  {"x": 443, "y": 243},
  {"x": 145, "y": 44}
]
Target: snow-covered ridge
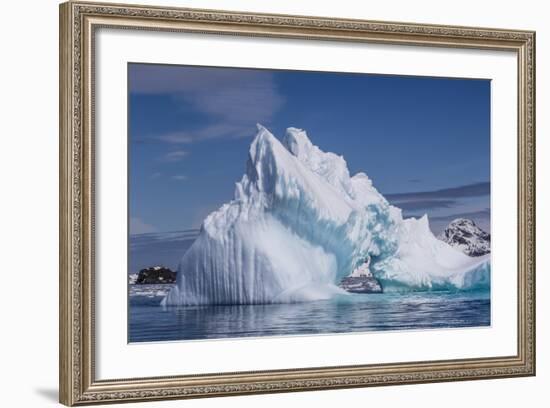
[
  {"x": 299, "y": 223},
  {"x": 467, "y": 237}
]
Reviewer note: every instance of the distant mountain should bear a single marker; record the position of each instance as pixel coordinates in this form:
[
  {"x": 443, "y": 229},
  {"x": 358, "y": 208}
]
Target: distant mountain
[{"x": 466, "y": 236}]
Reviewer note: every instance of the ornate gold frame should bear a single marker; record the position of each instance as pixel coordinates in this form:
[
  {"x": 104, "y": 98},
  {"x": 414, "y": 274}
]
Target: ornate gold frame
[{"x": 78, "y": 22}]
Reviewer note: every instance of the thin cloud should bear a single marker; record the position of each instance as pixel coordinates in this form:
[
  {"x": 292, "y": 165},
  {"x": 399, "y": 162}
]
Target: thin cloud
[
  {"x": 468, "y": 190},
  {"x": 138, "y": 226},
  {"x": 175, "y": 156},
  {"x": 485, "y": 214},
  {"x": 449, "y": 201},
  {"x": 180, "y": 177},
  {"x": 426, "y": 204},
  {"x": 216, "y": 131},
  {"x": 233, "y": 100}
]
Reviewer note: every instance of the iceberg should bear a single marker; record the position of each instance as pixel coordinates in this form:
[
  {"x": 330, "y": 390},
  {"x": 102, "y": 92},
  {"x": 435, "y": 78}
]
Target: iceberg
[{"x": 299, "y": 223}]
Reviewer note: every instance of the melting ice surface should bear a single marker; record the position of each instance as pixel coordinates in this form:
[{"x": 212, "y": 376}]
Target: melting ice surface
[{"x": 299, "y": 223}]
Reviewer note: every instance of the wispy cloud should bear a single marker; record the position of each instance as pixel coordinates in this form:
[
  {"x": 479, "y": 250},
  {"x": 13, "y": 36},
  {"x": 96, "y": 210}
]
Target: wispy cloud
[
  {"x": 138, "y": 226},
  {"x": 425, "y": 204},
  {"x": 155, "y": 175},
  {"x": 485, "y": 213},
  {"x": 468, "y": 190},
  {"x": 175, "y": 156},
  {"x": 436, "y": 199},
  {"x": 180, "y": 177},
  {"x": 215, "y": 131},
  {"x": 234, "y": 100}
]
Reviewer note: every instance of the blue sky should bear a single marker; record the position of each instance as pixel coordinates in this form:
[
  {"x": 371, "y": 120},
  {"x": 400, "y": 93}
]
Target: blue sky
[{"x": 425, "y": 142}]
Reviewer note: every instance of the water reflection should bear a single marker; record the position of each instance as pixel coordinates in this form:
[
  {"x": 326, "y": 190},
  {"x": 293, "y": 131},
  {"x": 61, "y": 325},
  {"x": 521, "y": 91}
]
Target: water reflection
[{"x": 151, "y": 322}]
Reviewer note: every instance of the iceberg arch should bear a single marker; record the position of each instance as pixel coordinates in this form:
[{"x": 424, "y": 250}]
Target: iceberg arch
[{"x": 299, "y": 223}]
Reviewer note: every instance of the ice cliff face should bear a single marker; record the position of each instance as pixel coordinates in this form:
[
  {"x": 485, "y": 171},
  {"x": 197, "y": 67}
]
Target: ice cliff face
[
  {"x": 299, "y": 223},
  {"x": 467, "y": 237}
]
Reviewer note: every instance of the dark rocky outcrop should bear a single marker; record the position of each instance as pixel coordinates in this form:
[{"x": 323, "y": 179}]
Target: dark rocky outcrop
[
  {"x": 361, "y": 284},
  {"x": 155, "y": 275}
]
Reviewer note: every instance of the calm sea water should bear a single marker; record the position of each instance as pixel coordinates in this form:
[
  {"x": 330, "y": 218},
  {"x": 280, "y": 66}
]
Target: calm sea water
[{"x": 149, "y": 321}]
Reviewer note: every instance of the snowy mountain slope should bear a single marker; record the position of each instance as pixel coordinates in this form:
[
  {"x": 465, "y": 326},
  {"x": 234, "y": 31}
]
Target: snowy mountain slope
[
  {"x": 299, "y": 223},
  {"x": 467, "y": 237}
]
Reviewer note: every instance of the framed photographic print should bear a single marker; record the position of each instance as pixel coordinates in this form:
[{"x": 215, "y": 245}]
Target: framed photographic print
[{"x": 260, "y": 203}]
